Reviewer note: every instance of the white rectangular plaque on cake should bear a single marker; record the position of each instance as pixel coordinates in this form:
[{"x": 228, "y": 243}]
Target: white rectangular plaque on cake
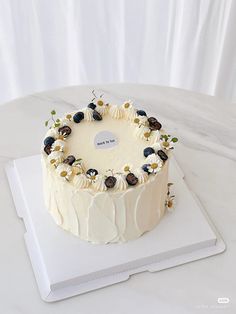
[{"x": 64, "y": 265}]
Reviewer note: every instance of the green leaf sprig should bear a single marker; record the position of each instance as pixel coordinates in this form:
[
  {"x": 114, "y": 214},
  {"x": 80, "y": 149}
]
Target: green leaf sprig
[
  {"x": 56, "y": 122},
  {"x": 168, "y": 138}
]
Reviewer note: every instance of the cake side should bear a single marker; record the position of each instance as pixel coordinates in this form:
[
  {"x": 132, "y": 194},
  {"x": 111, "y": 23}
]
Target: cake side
[{"x": 105, "y": 217}]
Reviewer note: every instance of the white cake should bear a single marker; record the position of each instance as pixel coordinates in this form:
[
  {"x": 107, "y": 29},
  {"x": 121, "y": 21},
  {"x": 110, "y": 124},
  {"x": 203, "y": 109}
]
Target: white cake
[{"x": 105, "y": 172}]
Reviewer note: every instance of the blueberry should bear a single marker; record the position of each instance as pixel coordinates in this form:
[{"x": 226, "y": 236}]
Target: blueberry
[
  {"x": 162, "y": 155},
  {"x": 97, "y": 116},
  {"x": 131, "y": 179},
  {"x": 145, "y": 167},
  {"x": 79, "y": 116},
  {"x": 69, "y": 160},
  {"x": 93, "y": 172},
  {"x": 64, "y": 130},
  {"x": 141, "y": 113},
  {"x": 47, "y": 149},
  {"x": 49, "y": 140},
  {"x": 92, "y": 106},
  {"x": 148, "y": 151},
  {"x": 110, "y": 182},
  {"x": 154, "y": 124}
]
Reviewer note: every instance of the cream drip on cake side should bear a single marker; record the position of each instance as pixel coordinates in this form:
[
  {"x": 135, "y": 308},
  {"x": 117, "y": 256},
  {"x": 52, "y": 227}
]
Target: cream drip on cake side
[{"x": 105, "y": 172}]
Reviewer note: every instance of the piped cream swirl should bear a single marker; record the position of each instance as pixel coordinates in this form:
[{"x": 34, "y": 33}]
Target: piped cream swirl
[
  {"x": 81, "y": 181},
  {"x": 99, "y": 184},
  {"x": 116, "y": 112},
  {"x": 121, "y": 183}
]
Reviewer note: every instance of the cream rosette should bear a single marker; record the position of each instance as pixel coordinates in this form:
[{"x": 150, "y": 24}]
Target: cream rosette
[{"x": 116, "y": 112}]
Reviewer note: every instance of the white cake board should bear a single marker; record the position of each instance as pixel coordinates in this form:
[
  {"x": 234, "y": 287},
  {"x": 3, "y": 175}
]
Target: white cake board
[{"x": 65, "y": 266}]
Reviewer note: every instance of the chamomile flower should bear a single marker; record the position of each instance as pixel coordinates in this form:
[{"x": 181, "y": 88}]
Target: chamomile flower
[
  {"x": 154, "y": 163},
  {"x": 129, "y": 111},
  {"x": 64, "y": 171},
  {"x": 55, "y": 158},
  {"x": 66, "y": 120},
  {"x": 170, "y": 199},
  {"x": 58, "y": 145},
  {"x": 167, "y": 142},
  {"x": 101, "y": 106},
  {"x": 127, "y": 168}
]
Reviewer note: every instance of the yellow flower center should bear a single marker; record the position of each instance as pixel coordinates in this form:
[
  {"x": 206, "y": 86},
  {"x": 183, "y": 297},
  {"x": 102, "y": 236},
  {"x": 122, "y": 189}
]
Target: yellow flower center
[
  {"x": 136, "y": 120},
  {"x": 61, "y": 137},
  {"x": 57, "y": 148},
  {"x": 68, "y": 116},
  {"x": 126, "y": 105},
  {"x": 170, "y": 203},
  {"x": 93, "y": 177},
  {"x": 165, "y": 144},
  {"x": 63, "y": 174},
  {"x": 147, "y": 134},
  {"x": 100, "y": 103},
  {"x": 154, "y": 165},
  {"x": 126, "y": 168},
  {"x": 52, "y": 161}
]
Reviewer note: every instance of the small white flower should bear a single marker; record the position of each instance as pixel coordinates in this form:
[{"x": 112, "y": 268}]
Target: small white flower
[
  {"x": 127, "y": 104},
  {"x": 101, "y": 107},
  {"x": 64, "y": 171},
  {"x": 67, "y": 120},
  {"x": 140, "y": 120},
  {"x": 55, "y": 158},
  {"x": 155, "y": 163},
  {"x": 127, "y": 168},
  {"x": 167, "y": 142},
  {"x": 58, "y": 145},
  {"x": 154, "y": 167},
  {"x": 170, "y": 203}
]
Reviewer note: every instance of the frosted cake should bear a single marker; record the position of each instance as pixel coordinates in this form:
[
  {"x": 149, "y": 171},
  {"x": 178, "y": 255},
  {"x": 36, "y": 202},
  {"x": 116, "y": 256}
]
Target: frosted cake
[{"x": 105, "y": 171}]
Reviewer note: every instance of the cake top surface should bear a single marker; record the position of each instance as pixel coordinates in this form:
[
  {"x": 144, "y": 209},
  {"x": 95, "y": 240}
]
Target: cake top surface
[{"x": 105, "y": 147}]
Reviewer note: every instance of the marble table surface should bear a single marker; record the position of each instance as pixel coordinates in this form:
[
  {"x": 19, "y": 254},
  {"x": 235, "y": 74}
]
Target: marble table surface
[{"x": 206, "y": 152}]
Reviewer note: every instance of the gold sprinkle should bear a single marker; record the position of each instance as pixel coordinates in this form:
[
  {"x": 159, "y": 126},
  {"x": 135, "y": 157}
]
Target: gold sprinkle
[{"x": 63, "y": 174}]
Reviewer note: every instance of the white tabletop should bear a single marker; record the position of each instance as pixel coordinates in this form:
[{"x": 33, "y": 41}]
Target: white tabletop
[{"x": 206, "y": 128}]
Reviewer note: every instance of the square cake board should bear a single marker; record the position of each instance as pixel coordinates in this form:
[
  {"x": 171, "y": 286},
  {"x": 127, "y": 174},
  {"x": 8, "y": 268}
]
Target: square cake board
[{"x": 65, "y": 266}]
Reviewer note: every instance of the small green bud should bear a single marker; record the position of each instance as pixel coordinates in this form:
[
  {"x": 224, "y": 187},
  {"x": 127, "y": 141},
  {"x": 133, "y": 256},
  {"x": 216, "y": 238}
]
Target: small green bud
[{"x": 174, "y": 139}]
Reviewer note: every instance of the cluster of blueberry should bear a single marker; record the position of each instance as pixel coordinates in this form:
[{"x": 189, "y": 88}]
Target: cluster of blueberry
[
  {"x": 64, "y": 131},
  {"x": 79, "y": 116},
  {"x": 149, "y": 151},
  {"x": 110, "y": 181},
  {"x": 153, "y": 123}
]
